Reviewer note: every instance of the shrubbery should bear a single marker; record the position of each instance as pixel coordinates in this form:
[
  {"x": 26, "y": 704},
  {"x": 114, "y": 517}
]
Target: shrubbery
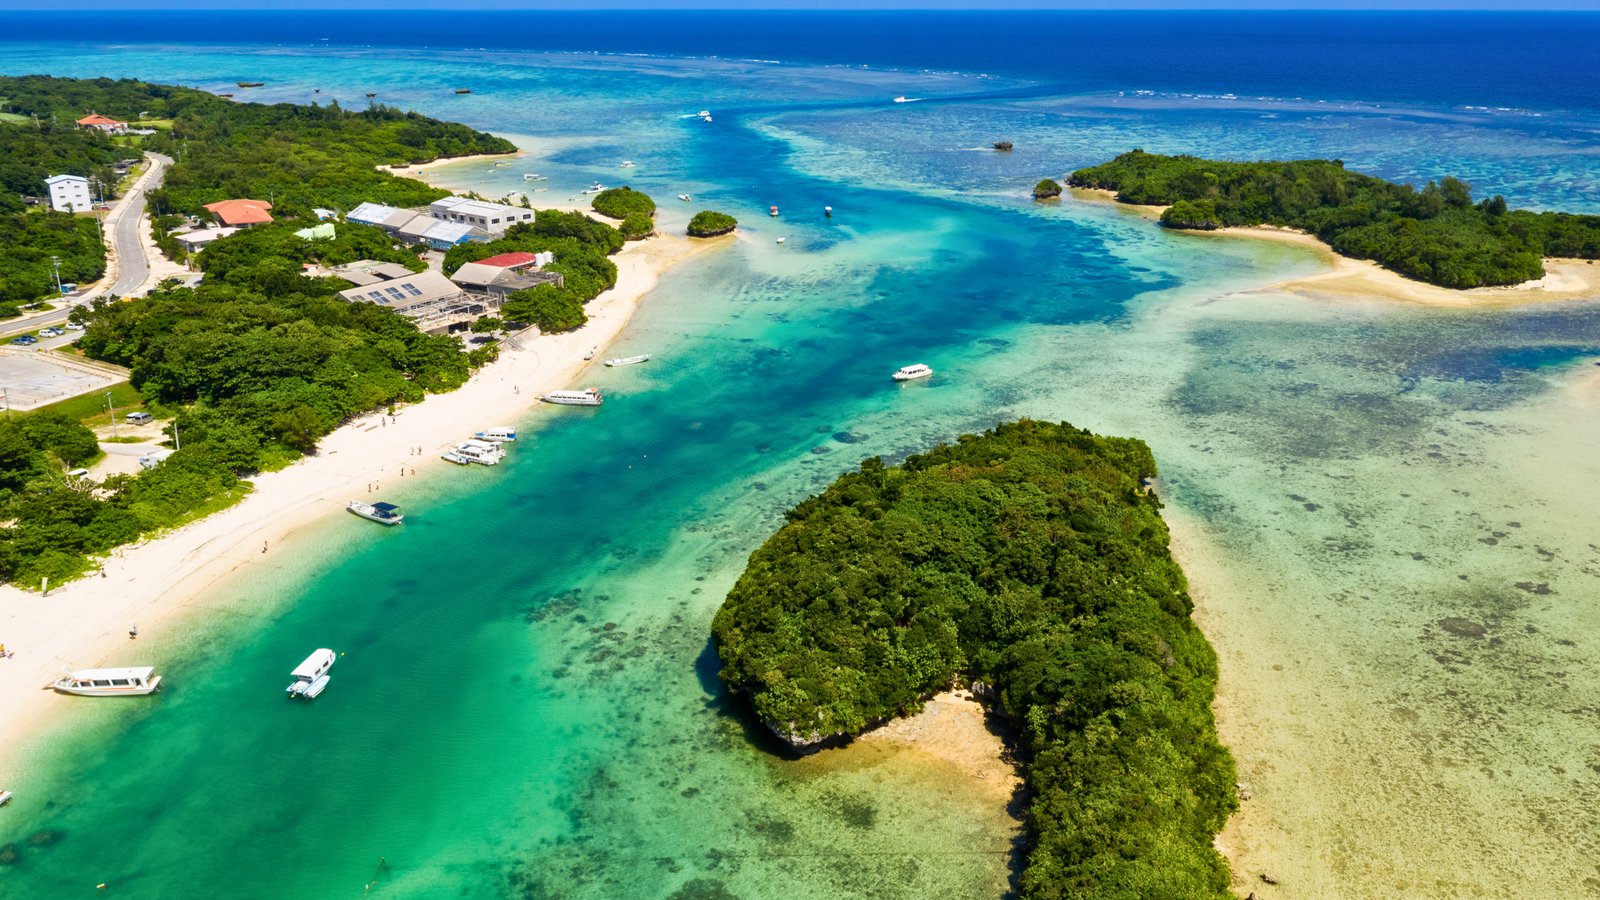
[
  {"x": 1435, "y": 234},
  {"x": 622, "y": 202},
  {"x": 708, "y": 223},
  {"x": 1030, "y": 558},
  {"x": 1047, "y": 189}
]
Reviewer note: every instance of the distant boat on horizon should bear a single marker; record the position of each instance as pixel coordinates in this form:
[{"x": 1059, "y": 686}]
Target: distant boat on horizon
[
  {"x": 249, "y": 84},
  {"x": 463, "y": 90}
]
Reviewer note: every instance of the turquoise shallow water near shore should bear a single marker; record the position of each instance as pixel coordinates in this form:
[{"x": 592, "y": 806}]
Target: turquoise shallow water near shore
[{"x": 1382, "y": 509}]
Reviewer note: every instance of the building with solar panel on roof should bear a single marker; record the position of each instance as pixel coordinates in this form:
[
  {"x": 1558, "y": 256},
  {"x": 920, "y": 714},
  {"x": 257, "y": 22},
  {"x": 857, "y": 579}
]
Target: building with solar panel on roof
[{"x": 437, "y": 304}]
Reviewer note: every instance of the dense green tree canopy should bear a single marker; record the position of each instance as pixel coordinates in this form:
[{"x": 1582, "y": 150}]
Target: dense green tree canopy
[
  {"x": 1435, "y": 235},
  {"x": 709, "y": 223},
  {"x": 621, "y": 202},
  {"x": 1030, "y": 558}
]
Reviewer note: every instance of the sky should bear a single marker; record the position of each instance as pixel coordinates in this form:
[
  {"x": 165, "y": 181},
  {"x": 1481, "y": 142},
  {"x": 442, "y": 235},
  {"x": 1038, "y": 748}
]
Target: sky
[{"x": 126, "y": 5}]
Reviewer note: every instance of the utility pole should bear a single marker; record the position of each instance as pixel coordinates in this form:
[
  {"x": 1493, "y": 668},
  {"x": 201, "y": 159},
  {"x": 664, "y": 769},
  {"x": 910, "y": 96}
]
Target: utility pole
[
  {"x": 177, "y": 444},
  {"x": 113, "y": 410},
  {"x": 7, "y": 397},
  {"x": 56, "y": 261}
]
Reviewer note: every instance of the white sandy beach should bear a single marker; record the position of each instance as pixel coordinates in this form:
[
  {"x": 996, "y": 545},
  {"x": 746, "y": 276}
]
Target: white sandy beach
[
  {"x": 85, "y": 622},
  {"x": 1564, "y": 279}
]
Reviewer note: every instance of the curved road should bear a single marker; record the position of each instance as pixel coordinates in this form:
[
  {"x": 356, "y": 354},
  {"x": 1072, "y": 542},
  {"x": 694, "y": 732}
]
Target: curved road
[
  {"x": 122, "y": 227},
  {"x": 123, "y": 224}
]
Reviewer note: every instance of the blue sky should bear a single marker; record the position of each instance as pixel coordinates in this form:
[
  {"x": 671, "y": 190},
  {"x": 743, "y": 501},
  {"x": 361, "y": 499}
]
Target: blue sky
[{"x": 804, "y": 4}]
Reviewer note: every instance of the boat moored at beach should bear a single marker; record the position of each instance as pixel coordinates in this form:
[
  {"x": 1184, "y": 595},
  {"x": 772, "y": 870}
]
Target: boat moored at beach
[
  {"x": 585, "y": 397},
  {"x": 311, "y": 676},
  {"x": 484, "y": 453},
  {"x": 382, "y": 513},
  {"x": 454, "y": 457},
  {"x": 499, "y": 433},
  {"x": 595, "y": 188},
  {"x": 628, "y": 360},
  {"x": 913, "y": 372},
  {"x": 135, "y": 681}
]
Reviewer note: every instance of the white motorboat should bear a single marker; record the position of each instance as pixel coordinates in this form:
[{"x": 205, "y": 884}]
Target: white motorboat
[
  {"x": 311, "y": 676},
  {"x": 782, "y": 239},
  {"x": 595, "y": 188},
  {"x": 705, "y": 118},
  {"x": 913, "y": 372},
  {"x": 500, "y": 433},
  {"x": 128, "y": 682},
  {"x": 902, "y": 100},
  {"x": 685, "y": 197},
  {"x": 484, "y": 453},
  {"x": 590, "y": 354},
  {"x": 532, "y": 176},
  {"x": 585, "y": 397},
  {"x": 704, "y": 114},
  {"x": 382, "y": 513},
  {"x": 458, "y": 459},
  {"x": 627, "y": 164},
  {"x": 628, "y": 360},
  {"x": 5, "y": 797}
]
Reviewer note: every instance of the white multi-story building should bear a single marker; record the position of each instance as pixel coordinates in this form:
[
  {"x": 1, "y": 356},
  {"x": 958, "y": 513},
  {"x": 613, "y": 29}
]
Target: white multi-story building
[
  {"x": 69, "y": 193},
  {"x": 491, "y": 217}
]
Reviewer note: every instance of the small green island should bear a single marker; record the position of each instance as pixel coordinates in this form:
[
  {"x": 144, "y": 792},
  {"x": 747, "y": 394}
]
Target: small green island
[
  {"x": 1031, "y": 562},
  {"x": 635, "y": 210},
  {"x": 1047, "y": 189},
  {"x": 1437, "y": 235},
  {"x": 709, "y": 223}
]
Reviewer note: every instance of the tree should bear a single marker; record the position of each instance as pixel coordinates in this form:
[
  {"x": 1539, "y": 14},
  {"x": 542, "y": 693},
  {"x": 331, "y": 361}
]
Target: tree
[
  {"x": 551, "y": 308},
  {"x": 708, "y": 223}
]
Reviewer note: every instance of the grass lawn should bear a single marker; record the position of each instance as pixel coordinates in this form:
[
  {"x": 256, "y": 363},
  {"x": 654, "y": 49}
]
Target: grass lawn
[{"x": 90, "y": 409}]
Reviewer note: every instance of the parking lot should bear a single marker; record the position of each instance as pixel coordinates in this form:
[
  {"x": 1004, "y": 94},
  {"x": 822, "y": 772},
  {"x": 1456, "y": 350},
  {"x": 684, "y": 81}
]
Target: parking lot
[{"x": 30, "y": 380}]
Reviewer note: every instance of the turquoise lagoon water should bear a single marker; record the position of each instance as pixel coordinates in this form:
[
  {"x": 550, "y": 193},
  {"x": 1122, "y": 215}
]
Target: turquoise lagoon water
[{"x": 1386, "y": 513}]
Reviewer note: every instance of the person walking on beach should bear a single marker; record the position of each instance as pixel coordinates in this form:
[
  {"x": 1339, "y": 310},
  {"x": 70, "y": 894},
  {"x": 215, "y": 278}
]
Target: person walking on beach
[{"x": 133, "y": 633}]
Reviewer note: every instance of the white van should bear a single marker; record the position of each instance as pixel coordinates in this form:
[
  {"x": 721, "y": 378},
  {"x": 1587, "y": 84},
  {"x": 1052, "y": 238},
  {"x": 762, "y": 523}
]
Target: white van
[{"x": 139, "y": 418}]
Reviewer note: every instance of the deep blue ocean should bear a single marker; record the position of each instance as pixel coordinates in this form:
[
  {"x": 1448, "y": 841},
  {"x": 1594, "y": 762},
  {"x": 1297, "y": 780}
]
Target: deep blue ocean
[{"x": 528, "y": 706}]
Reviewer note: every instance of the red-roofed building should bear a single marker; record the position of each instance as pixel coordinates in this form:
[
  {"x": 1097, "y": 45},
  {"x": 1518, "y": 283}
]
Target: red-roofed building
[
  {"x": 241, "y": 213},
  {"x": 104, "y": 123},
  {"x": 517, "y": 260}
]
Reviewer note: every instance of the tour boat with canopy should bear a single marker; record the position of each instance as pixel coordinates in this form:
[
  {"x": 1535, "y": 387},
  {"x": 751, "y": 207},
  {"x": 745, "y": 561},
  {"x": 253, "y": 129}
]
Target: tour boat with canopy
[
  {"x": 913, "y": 372},
  {"x": 311, "y": 676},
  {"x": 382, "y": 513},
  {"x": 585, "y": 397},
  {"x": 135, "y": 681}
]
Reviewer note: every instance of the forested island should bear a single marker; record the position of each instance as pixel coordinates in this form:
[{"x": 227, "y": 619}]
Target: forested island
[
  {"x": 710, "y": 223},
  {"x": 255, "y": 364},
  {"x": 1030, "y": 558},
  {"x": 1437, "y": 234}
]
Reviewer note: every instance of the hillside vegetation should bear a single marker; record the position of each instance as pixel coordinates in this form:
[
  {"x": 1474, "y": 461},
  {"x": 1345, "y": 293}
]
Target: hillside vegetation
[
  {"x": 1030, "y": 558},
  {"x": 1436, "y": 234},
  {"x": 295, "y": 157}
]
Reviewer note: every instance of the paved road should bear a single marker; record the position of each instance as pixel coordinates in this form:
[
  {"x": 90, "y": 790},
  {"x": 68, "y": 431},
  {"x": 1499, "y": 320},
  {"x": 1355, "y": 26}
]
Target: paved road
[{"x": 123, "y": 225}]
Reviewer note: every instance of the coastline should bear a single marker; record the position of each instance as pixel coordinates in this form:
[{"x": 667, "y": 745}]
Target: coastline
[
  {"x": 1347, "y": 278},
  {"x": 153, "y": 582}
]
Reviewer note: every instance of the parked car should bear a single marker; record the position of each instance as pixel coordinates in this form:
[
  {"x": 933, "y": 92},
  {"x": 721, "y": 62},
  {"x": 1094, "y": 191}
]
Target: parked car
[
  {"x": 139, "y": 418},
  {"x": 74, "y": 326},
  {"x": 52, "y": 331},
  {"x": 25, "y": 339}
]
